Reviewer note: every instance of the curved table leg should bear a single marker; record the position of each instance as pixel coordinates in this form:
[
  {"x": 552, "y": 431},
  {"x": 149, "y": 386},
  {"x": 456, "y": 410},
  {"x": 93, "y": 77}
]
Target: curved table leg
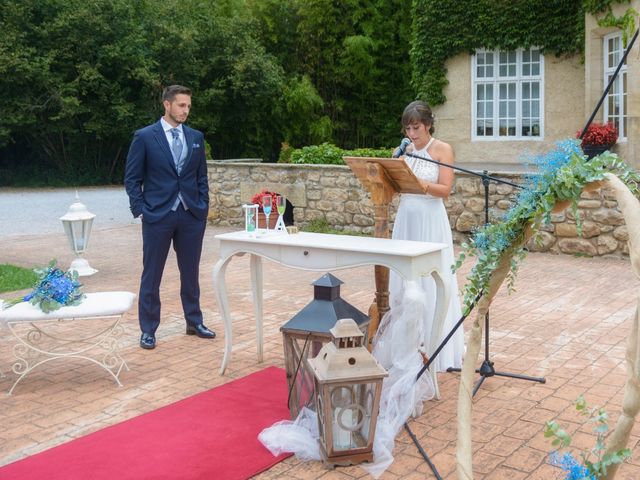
[
  {"x": 256, "y": 290},
  {"x": 443, "y": 294},
  {"x": 220, "y": 287}
]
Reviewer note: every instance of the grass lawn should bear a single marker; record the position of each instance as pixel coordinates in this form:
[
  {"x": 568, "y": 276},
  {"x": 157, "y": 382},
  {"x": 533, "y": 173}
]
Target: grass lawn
[{"x": 16, "y": 278}]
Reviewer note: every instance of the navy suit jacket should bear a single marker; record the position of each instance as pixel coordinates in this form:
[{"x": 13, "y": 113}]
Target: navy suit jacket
[{"x": 152, "y": 181}]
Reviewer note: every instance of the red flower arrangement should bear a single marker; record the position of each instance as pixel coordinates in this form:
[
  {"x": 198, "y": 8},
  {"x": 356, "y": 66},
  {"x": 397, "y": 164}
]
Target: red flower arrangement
[
  {"x": 599, "y": 134},
  {"x": 257, "y": 199}
]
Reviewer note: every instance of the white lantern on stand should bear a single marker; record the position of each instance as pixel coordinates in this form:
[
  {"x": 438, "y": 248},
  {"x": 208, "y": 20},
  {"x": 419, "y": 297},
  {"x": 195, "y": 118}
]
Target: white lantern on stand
[{"x": 77, "y": 224}]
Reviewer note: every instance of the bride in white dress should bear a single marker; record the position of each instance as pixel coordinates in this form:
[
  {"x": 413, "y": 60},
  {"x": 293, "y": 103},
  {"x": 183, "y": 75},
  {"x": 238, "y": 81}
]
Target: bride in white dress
[
  {"x": 405, "y": 330},
  {"x": 424, "y": 218}
]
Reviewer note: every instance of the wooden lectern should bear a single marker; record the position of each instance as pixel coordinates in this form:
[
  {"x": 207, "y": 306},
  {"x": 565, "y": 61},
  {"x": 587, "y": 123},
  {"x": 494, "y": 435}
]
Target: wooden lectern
[{"x": 383, "y": 178}]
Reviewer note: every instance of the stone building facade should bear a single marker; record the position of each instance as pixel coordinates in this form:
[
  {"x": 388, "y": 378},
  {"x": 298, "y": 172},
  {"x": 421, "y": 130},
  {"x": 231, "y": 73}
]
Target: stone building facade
[
  {"x": 570, "y": 87},
  {"x": 333, "y": 193}
]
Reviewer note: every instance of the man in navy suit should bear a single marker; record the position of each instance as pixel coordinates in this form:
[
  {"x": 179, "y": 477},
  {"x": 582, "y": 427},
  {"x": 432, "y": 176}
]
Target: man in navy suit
[{"x": 166, "y": 180}]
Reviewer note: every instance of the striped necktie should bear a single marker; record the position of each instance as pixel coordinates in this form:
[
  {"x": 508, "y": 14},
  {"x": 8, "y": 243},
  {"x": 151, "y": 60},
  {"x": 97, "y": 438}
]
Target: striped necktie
[{"x": 176, "y": 148}]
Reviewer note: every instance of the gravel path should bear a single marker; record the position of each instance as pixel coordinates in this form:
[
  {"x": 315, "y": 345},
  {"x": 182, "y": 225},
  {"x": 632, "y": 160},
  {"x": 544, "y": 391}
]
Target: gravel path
[{"x": 38, "y": 211}]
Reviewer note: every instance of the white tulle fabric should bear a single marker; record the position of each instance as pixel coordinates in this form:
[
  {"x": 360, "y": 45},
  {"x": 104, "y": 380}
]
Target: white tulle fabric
[
  {"x": 300, "y": 436},
  {"x": 404, "y": 333}
]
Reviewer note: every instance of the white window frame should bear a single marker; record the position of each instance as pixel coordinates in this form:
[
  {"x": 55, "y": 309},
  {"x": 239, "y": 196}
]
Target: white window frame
[
  {"x": 618, "y": 87},
  {"x": 496, "y": 80}
]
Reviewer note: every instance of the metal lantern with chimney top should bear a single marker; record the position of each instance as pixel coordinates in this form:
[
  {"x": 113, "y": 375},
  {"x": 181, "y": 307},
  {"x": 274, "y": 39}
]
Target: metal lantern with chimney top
[
  {"x": 77, "y": 224},
  {"x": 348, "y": 384},
  {"x": 304, "y": 335}
]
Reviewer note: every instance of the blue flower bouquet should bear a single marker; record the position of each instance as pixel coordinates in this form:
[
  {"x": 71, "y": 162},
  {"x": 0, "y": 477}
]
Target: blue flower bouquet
[
  {"x": 593, "y": 463},
  {"x": 573, "y": 468},
  {"x": 54, "y": 289}
]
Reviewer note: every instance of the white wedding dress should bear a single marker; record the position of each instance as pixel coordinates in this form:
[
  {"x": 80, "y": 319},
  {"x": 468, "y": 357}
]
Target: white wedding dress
[{"x": 424, "y": 218}]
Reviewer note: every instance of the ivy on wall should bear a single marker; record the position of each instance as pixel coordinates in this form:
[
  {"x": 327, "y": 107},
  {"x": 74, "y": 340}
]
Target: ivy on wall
[
  {"x": 626, "y": 22},
  {"x": 443, "y": 29},
  {"x": 595, "y": 7}
]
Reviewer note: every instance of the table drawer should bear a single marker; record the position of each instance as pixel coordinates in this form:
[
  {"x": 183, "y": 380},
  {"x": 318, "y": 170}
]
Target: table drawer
[{"x": 308, "y": 258}]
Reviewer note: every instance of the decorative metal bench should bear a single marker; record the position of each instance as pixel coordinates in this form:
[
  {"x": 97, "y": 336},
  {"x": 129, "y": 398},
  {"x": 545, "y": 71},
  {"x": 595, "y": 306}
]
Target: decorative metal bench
[{"x": 37, "y": 343}]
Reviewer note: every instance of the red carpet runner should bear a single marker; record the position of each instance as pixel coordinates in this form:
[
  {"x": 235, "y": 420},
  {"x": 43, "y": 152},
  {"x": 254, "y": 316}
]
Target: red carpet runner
[{"x": 212, "y": 435}]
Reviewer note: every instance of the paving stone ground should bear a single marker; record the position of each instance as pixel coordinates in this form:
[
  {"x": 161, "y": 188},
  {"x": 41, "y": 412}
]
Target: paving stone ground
[{"x": 568, "y": 321}]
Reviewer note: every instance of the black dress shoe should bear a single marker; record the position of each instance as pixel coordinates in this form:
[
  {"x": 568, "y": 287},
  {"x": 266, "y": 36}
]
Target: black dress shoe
[
  {"x": 201, "y": 331},
  {"x": 148, "y": 341}
]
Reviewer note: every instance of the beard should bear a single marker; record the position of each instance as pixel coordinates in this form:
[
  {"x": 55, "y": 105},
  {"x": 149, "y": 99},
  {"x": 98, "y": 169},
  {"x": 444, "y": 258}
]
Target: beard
[{"x": 178, "y": 118}]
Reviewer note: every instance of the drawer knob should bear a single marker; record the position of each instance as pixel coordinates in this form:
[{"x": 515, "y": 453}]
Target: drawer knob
[{"x": 306, "y": 252}]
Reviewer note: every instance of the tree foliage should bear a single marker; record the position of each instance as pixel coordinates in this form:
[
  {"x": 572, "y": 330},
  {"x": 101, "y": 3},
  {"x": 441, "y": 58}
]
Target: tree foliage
[
  {"x": 75, "y": 83},
  {"x": 354, "y": 57},
  {"x": 79, "y": 77}
]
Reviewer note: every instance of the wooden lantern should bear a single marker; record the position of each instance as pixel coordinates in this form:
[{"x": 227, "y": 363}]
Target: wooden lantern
[
  {"x": 304, "y": 335},
  {"x": 348, "y": 384}
]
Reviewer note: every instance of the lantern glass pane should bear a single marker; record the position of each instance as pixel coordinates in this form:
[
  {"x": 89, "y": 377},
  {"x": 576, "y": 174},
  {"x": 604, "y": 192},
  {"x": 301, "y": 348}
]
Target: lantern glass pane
[
  {"x": 79, "y": 231},
  {"x": 297, "y": 351},
  {"x": 352, "y": 408},
  {"x": 304, "y": 384},
  {"x": 320, "y": 412},
  {"x": 304, "y": 390},
  {"x": 77, "y": 234},
  {"x": 69, "y": 233}
]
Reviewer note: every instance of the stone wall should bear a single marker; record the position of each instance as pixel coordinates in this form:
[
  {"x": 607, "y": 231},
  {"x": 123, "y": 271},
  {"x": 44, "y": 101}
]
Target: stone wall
[{"x": 333, "y": 193}]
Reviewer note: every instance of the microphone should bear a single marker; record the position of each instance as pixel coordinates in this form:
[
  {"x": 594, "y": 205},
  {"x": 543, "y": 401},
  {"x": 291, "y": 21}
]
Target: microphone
[{"x": 403, "y": 146}]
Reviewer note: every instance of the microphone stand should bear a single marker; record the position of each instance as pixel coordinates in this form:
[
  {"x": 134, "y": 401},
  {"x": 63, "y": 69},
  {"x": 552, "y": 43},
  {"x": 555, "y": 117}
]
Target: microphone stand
[{"x": 486, "y": 369}]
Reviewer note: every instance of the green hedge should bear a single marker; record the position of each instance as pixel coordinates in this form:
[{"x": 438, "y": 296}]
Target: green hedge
[{"x": 328, "y": 154}]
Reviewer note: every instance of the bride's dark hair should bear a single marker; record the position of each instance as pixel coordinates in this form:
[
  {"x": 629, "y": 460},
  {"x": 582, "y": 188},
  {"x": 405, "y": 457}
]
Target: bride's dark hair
[{"x": 419, "y": 112}]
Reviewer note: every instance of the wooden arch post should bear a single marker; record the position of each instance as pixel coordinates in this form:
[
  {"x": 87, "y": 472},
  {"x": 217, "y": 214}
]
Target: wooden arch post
[{"x": 630, "y": 208}]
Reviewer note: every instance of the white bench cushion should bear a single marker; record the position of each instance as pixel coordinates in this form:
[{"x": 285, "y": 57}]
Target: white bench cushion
[{"x": 99, "y": 304}]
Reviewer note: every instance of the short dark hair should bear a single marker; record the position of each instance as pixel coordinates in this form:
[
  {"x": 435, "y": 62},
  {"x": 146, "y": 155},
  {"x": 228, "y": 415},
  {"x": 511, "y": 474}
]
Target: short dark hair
[
  {"x": 170, "y": 92},
  {"x": 420, "y": 112}
]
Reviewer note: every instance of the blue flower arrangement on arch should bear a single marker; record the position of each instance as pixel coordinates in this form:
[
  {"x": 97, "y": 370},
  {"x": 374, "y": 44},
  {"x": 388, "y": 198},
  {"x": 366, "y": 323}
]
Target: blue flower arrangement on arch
[{"x": 561, "y": 175}]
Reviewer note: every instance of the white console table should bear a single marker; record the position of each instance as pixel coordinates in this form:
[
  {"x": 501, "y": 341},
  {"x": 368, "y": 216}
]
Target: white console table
[{"x": 324, "y": 252}]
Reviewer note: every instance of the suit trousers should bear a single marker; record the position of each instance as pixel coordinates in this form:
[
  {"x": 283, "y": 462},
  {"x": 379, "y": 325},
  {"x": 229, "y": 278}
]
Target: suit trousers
[{"x": 186, "y": 232}]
